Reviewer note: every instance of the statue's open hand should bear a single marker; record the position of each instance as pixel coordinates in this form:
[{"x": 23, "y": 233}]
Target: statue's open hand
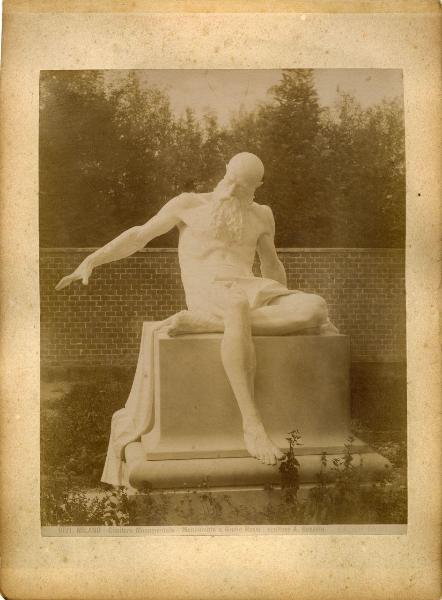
[{"x": 82, "y": 272}]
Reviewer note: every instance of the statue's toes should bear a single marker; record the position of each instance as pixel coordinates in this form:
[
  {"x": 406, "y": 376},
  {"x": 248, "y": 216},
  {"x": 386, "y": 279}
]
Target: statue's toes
[
  {"x": 270, "y": 459},
  {"x": 277, "y": 453},
  {"x": 171, "y": 331},
  {"x": 261, "y": 456}
]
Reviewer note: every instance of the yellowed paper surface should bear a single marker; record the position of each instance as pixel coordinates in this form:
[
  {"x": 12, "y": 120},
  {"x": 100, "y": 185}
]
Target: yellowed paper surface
[{"x": 138, "y": 35}]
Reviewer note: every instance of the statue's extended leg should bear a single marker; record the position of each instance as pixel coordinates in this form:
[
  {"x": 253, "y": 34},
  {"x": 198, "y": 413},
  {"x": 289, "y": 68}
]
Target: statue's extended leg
[
  {"x": 284, "y": 315},
  {"x": 238, "y": 357}
]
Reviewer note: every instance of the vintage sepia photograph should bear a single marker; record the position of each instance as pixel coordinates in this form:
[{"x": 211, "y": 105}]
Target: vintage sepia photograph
[{"x": 222, "y": 299}]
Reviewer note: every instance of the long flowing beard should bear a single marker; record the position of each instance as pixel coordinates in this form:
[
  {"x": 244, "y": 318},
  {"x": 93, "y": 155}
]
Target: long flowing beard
[{"x": 227, "y": 218}]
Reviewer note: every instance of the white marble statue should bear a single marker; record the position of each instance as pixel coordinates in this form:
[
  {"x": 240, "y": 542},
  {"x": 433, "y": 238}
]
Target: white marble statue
[{"x": 219, "y": 233}]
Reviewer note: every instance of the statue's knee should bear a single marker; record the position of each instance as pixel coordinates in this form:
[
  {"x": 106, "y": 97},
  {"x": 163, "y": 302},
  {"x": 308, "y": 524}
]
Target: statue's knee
[{"x": 319, "y": 307}]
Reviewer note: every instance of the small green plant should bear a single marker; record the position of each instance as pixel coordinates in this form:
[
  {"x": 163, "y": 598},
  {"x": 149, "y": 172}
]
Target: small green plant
[
  {"x": 289, "y": 468},
  {"x": 341, "y": 496}
]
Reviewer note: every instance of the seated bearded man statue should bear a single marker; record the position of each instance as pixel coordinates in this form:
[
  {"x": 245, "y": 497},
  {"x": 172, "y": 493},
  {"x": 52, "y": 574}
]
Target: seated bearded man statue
[{"x": 219, "y": 234}]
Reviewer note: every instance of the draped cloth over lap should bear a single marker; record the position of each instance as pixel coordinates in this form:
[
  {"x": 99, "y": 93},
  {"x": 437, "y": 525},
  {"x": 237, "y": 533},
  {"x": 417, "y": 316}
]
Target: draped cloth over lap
[
  {"x": 136, "y": 418},
  {"x": 210, "y": 298}
]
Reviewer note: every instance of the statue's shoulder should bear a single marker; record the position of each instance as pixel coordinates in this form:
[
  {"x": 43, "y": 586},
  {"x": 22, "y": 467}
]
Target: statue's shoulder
[
  {"x": 183, "y": 198},
  {"x": 191, "y": 199},
  {"x": 265, "y": 216},
  {"x": 182, "y": 201},
  {"x": 201, "y": 197},
  {"x": 263, "y": 211}
]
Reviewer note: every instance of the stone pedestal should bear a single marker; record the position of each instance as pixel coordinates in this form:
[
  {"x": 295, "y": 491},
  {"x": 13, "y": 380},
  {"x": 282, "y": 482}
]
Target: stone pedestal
[{"x": 302, "y": 383}]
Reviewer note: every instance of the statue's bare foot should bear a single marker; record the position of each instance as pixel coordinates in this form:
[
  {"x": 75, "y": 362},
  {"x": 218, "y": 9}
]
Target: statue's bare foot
[
  {"x": 259, "y": 444},
  {"x": 191, "y": 322},
  {"x": 328, "y": 329}
]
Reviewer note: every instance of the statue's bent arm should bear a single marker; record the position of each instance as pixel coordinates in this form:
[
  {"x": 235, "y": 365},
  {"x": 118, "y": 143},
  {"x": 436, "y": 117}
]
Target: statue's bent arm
[
  {"x": 129, "y": 241},
  {"x": 271, "y": 266}
]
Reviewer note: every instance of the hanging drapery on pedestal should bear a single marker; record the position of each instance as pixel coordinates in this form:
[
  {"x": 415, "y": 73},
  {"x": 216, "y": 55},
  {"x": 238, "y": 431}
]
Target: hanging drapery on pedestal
[{"x": 137, "y": 416}]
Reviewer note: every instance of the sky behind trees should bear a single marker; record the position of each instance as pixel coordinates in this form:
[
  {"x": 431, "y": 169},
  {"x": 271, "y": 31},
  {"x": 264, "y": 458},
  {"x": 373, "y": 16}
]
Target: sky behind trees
[{"x": 225, "y": 91}]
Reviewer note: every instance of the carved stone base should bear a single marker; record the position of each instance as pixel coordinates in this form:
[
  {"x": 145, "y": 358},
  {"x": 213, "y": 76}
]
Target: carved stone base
[
  {"x": 239, "y": 471},
  {"x": 302, "y": 383}
]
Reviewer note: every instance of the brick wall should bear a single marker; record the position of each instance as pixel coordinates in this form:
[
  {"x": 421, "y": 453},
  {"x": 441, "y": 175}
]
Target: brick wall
[{"x": 100, "y": 324}]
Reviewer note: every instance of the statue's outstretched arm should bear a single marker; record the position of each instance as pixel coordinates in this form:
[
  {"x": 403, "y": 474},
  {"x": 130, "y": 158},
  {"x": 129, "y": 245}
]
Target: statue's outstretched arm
[
  {"x": 127, "y": 243},
  {"x": 271, "y": 266}
]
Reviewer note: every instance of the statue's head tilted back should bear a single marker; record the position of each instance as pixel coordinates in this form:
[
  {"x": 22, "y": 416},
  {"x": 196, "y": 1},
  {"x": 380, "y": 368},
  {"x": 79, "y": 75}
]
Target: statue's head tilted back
[
  {"x": 248, "y": 167},
  {"x": 233, "y": 196}
]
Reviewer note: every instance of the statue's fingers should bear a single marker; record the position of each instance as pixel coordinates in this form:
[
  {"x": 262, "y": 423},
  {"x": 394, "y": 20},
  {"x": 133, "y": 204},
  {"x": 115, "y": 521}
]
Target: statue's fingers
[
  {"x": 63, "y": 283},
  {"x": 85, "y": 280}
]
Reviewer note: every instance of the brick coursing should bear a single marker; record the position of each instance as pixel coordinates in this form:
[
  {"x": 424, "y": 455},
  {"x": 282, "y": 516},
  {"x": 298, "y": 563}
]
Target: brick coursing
[{"x": 100, "y": 324}]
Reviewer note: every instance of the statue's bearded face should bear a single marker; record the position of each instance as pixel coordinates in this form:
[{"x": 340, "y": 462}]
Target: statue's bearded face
[{"x": 232, "y": 198}]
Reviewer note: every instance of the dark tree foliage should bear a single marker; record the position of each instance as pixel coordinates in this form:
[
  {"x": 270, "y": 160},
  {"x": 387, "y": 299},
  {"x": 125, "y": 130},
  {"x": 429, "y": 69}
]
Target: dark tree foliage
[
  {"x": 112, "y": 155},
  {"x": 291, "y": 151},
  {"x": 364, "y": 171}
]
